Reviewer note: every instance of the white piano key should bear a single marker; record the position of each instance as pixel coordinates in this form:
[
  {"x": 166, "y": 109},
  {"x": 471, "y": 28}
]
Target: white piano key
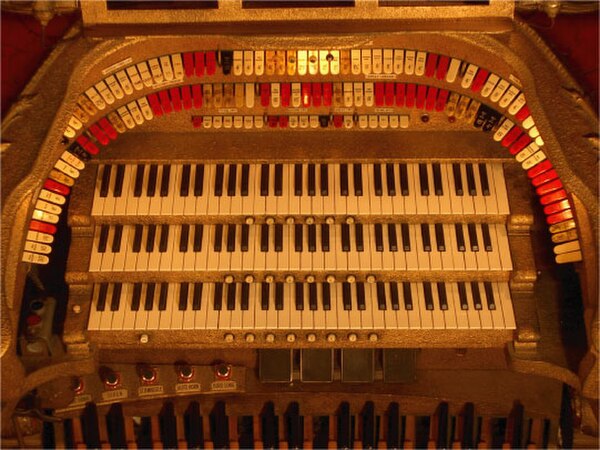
[
  {"x": 481, "y": 256},
  {"x": 260, "y": 315},
  {"x": 153, "y": 319},
  {"x": 190, "y": 257},
  {"x": 472, "y": 313},
  {"x": 108, "y": 256},
  {"x": 353, "y": 255},
  {"x": 439, "y": 321},
  {"x": 201, "y": 315},
  {"x": 458, "y": 258},
  {"x": 422, "y": 204},
  {"x": 119, "y": 257},
  {"x": 503, "y": 247},
  {"x": 355, "y": 316},
  {"x": 447, "y": 256},
  {"x": 462, "y": 316},
  {"x": 95, "y": 315},
  {"x": 154, "y": 256},
  {"x": 248, "y": 315},
  {"x": 468, "y": 204},
  {"x": 375, "y": 315},
  {"x": 212, "y": 315},
  {"x": 166, "y": 316},
  {"x": 125, "y": 318},
  {"x": 494, "y": 256},
  {"x": 317, "y": 200},
  {"x": 189, "y": 315},
  {"x": 450, "y": 313},
  {"x": 236, "y": 314},
  {"x": 485, "y": 314},
  {"x": 337, "y": 304},
  {"x": 414, "y": 314},
  {"x": 435, "y": 257},
  {"x": 433, "y": 202},
  {"x": 235, "y": 261},
  {"x": 387, "y": 258},
  {"x": 305, "y": 200},
  {"x": 141, "y": 317},
  {"x": 498, "y": 314},
  {"x": 445, "y": 200}
]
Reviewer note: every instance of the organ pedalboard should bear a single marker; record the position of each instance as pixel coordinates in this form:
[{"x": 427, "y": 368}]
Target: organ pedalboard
[{"x": 299, "y": 240}]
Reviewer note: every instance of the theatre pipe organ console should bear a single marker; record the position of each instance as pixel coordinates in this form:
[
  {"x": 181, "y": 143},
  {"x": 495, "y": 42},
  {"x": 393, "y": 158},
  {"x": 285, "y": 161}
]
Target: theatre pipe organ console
[{"x": 262, "y": 236}]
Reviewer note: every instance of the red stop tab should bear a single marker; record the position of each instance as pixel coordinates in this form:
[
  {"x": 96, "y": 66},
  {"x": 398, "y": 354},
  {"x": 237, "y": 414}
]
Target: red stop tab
[
  {"x": 188, "y": 64},
  {"x": 197, "y": 96},
  {"x": 557, "y": 207},
  {"x": 108, "y": 128},
  {"x": 559, "y": 217},
  {"x": 155, "y": 104},
  {"x": 175, "y": 98},
  {"x": 442, "y": 98},
  {"x": 555, "y": 196},
  {"x": 165, "y": 101},
  {"x": 211, "y": 63},
  {"x": 442, "y": 68},
  {"x": 523, "y": 113},
  {"x": 186, "y": 97},
  {"x": 411, "y": 91},
  {"x": 421, "y": 94},
  {"x": 283, "y": 121},
  {"x": 338, "y": 121},
  {"x": 285, "y": 94},
  {"x": 43, "y": 227},
  {"x": 99, "y": 134},
  {"x": 265, "y": 94},
  {"x": 539, "y": 169},
  {"x": 519, "y": 144},
  {"x": 316, "y": 94},
  {"x": 33, "y": 320},
  {"x": 379, "y": 94},
  {"x": 327, "y": 92},
  {"x": 88, "y": 145},
  {"x": 431, "y": 98},
  {"x": 199, "y": 63},
  {"x": 479, "y": 80},
  {"x": 273, "y": 120},
  {"x": 544, "y": 178},
  {"x": 551, "y": 186},
  {"x": 197, "y": 121},
  {"x": 306, "y": 94},
  {"x": 389, "y": 94},
  {"x": 430, "y": 66},
  {"x": 511, "y": 136},
  {"x": 56, "y": 187},
  {"x": 400, "y": 94}
]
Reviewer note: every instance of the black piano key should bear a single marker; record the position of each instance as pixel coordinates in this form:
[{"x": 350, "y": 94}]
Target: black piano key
[
  {"x": 426, "y": 237},
  {"x": 443, "y": 298},
  {"x": 184, "y": 187},
  {"x": 358, "y": 183},
  {"x": 473, "y": 237},
  {"x": 183, "y": 296},
  {"x": 139, "y": 180},
  {"x": 460, "y": 237},
  {"x": 377, "y": 181},
  {"x": 312, "y": 180},
  {"x": 325, "y": 237},
  {"x": 312, "y": 296},
  {"x": 149, "y": 303},
  {"x": 231, "y": 238},
  {"x": 442, "y": 426},
  {"x": 346, "y": 296},
  {"x": 404, "y": 180},
  {"x": 197, "y": 298},
  {"x": 105, "y": 181},
  {"x": 378, "y": 237},
  {"x": 162, "y": 299},
  {"x": 144, "y": 436},
  {"x": 487, "y": 240},
  {"x": 264, "y": 296},
  {"x": 218, "y": 297},
  {"x": 391, "y": 179},
  {"x": 269, "y": 425},
  {"x": 439, "y": 237},
  {"x": 407, "y": 294},
  {"x": 198, "y": 231},
  {"x": 458, "y": 183},
  {"x": 393, "y": 429},
  {"x": 489, "y": 295},
  {"x": 476, "y": 295},
  {"x": 462, "y": 296},
  {"x": 245, "y": 234},
  {"x": 360, "y": 239},
  {"x": 151, "y": 238},
  {"x": 514, "y": 427},
  {"x": 184, "y": 238},
  {"x": 299, "y": 299},
  {"x": 312, "y": 238},
  {"x": 278, "y": 180},
  {"x": 344, "y": 427},
  {"x": 231, "y": 296},
  {"x": 392, "y": 237},
  {"x": 295, "y": 438},
  {"x": 116, "y": 297},
  {"x": 219, "y": 426},
  {"x": 381, "y": 300},
  {"x": 394, "y": 295},
  {"x": 117, "y": 236},
  {"x": 101, "y": 303},
  {"x": 264, "y": 237},
  {"x": 345, "y": 237},
  {"x": 136, "y": 296},
  {"x": 326, "y": 290},
  {"x": 199, "y": 180},
  {"x": 471, "y": 180},
  {"x": 279, "y": 296},
  {"x": 219, "y": 175},
  {"x": 405, "y": 237},
  {"x": 119, "y": 180},
  {"x": 89, "y": 426},
  {"x": 137, "y": 239},
  {"x": 423, "y": 179},
  {"x": 264, "y": 180},
  {"x": 324, "y": 180},
  {"x": 245, "y": 179},
  {"x": 278, "y": 237},
  {"x": 437, "y": 179},
  {"x": 468, "y": 417},
  {"x": 115, "y": 428},
  {"x": 168, "y": 426},
  {"x": 369, "y": 433},
  {"x": 164, "y": 182},
  {"x": 232, "y": 180},
  {"x": 298, "y": 237},
  {"x": 483, "y": 178},
  {"x": 103, "y": 238},
  {"x": 297, "y": 180},
  {"x": 164, "y": 238},
  {"x": 152, "y": 176},
  {"x": 428, "y": 296},
  {"x": 245, "y": 302},
  {"x": 218, "y": 242},
  {"x": 344, "y": 180}
]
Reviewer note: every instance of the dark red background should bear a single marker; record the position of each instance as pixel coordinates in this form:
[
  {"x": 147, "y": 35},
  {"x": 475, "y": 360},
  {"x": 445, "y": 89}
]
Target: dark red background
[{"x": 25, "y": 45}]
